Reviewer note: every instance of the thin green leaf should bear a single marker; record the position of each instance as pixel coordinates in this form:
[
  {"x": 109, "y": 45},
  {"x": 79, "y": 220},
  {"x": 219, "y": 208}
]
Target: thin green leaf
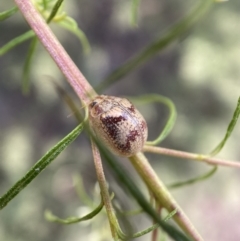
[
  {"x": 69, "y": 101},
  {"x": 45, "y": 4},
  {"x": 147, "y": 230},
  {"x": 229, "y": 130},
  {"x": 130, "y": 212},
  {"x": 27, "y": 65},
  {"x": 171, "y": 118},
  {"x": 70, "y": 220},
  {"x": 170, "y": 215},
  {"x": 126, "y": 181},
  {"x": 152, "y": 49},
  {"x": 7, "y": 14},
  {"x": 83, "y": 196},
  {"x": 124, "y": 236},
  {"x": 40, "y": 166},
  {"x": 54, "y": 10},
  {"x": 16, "y": 41},
  {"x": 194, "y": 180},
  {"x": 135, "y": 6},
  {"x": 70, "y": 24}
]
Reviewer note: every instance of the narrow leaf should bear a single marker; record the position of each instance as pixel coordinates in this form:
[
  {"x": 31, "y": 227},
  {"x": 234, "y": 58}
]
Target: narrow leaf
[
  {"x": 54, "y": 10},
  {"x": 70, "y": 220},
  {"x": 193, "y": 180},
  {"x": 134, "y": 15},
  {"x": 45, "y": 4},
  {"x": 81, "y": 192},
  {"x": 70, "y": 24},
  {"x": 16, "y": 41},
  {"x": 171, "y": 117},
  {"x": 69, "y": 101},
  {"x": 7, "y": 14},
  {"x": 40, "y": 166},
  {"x": 152, "y": 49},
  {"x": 27, "y": 65},
  {"x": 229, "y": 130},
  {"x": 124, "y": 236},
  {"x": 170, "y": 215}
]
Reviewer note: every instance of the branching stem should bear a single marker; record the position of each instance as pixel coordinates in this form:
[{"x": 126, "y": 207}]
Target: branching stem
[
  {"x": 85, "y": 93},
  {"x": 162, "y": 195},
  {"x": 192, "y": 156}
]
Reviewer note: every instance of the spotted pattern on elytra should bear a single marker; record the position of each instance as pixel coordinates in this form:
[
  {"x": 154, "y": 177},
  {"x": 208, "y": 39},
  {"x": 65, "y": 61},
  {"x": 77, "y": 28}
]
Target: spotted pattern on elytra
[{"x": 118, "y": 124}]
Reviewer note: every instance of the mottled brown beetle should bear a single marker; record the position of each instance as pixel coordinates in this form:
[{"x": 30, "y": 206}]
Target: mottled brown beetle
[{"x": 118, "y": 124}]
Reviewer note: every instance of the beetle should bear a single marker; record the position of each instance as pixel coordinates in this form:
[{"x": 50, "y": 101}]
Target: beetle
[{"x": 118, "y": 124}]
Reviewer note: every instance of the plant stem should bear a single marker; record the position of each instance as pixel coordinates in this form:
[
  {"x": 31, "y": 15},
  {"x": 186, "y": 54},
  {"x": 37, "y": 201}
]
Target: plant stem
[
  {"x": 104, "y": 191},
  {"x": 161, "y": 194},
  {"x": 75, "y": 78},
  {"x": 193, "y": 156}
]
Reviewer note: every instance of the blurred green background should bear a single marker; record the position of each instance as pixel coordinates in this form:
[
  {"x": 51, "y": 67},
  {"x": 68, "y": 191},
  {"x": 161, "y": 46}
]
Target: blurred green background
[{"x": 200, "y": 72}]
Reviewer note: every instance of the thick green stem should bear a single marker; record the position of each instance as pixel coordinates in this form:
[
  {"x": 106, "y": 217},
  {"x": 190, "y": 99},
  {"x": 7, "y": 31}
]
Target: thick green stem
[{"x": 161, "y": 194}]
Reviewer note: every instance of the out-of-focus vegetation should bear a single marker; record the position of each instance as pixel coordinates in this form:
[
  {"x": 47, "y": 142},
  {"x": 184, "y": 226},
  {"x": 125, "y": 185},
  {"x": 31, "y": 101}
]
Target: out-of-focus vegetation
[{"x": 199, "y": 72}]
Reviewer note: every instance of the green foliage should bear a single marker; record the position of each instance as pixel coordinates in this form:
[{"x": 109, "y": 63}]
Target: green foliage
[
  {"x": 135, "y": 6},
  {"x": 50, "y": 156},
  {"x": 71, "y": 25},
  {"x": 229, "y": 130},
  {"x": 127, "y": 182},
  {"x": 16, "y": 41},
  {"x": 52, "y": 12},
  {"x": 27, "y": 65},
  {"x": 70, "y": 220},
  {"x": 194, "y": 180},
  {"x": 7, "y": 14},
  {"x": 156, "y": 46},
  {"x": 145, "y": 99},
  {"x": 81, "y": 192}
]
